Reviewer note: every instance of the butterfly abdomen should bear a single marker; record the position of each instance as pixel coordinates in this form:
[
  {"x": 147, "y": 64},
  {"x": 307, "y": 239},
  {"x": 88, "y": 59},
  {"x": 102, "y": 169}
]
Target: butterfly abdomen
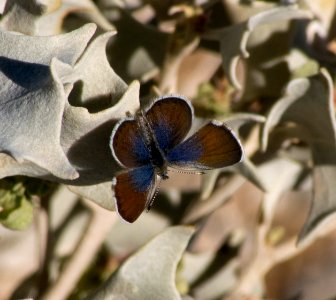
[{"x": 157, "y": 157}]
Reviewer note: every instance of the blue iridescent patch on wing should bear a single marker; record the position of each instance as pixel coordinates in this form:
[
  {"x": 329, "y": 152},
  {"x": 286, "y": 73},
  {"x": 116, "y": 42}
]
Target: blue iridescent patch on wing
[
  {"x": 128, "y": 146},
  {"x": 170, "y": 119},
  {"x": 163, "y": 134},
  {"x": 142, "y": 178},
  {"x": 140, "y": 150},
  {"x": 185, "y": 153}
]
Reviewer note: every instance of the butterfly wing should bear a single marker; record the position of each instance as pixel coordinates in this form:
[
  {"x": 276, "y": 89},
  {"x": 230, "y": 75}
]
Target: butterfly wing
[
  {"x": 170, "y": 119},
  {"x": 133, "y": 190},
  {"x": 213, "y": 146},
  {"x": 127, "y": 145}
]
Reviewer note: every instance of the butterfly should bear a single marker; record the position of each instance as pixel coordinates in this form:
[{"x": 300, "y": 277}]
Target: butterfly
[{"x": 153, "y": 140}]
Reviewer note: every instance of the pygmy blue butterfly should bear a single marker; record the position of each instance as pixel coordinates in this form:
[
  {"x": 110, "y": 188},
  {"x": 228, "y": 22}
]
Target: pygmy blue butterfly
[{"x": 153, "y": 140}]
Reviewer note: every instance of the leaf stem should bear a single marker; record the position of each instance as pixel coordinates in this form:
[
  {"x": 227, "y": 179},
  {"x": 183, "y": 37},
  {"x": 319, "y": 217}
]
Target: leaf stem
[{"x": 99, "y": 225}]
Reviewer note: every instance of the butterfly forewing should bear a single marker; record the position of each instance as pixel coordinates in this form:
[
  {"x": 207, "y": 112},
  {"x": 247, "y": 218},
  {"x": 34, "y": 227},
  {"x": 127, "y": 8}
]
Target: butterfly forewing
[
  {"x": 170, "y": 119},
  {"x": 213, "y": 146},
  {"x": 133, "y": 191},
  {"x": 128, "y": 146}
]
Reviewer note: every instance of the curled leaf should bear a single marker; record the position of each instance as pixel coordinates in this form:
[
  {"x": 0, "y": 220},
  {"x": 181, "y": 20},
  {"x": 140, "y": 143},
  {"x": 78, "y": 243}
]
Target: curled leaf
[
  {"x": 97, "y": 79},
  {"x": 239, "y": 34},
  {"x": 150, "y": 271},
  {"x": 21, "y": 16},
  {"x": 32, "y": 104},
  {"x": 33, "y": 100},
  {"x": 52, "y": 22},
  {"x": 308, "y": 102},
  {"x": 46, "y": 18}
]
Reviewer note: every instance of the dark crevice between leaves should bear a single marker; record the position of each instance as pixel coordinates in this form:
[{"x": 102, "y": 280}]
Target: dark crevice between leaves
[
  {"x": 175, "y": 213},
  {"x": 223, "y": 256},
  {"x": 93, "y": 104},
  {"x": 14, "y": 190},
  {"x": 32, "y": 7}
]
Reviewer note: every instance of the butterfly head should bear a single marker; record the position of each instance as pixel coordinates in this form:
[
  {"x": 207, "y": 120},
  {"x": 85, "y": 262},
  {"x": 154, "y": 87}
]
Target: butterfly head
[{"x": 162, "y": 172}]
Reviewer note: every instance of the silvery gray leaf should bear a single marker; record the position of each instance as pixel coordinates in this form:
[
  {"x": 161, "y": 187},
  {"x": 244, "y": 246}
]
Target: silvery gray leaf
[
  {"x": 308, "y": 102},
  {"x": 150, "y": 271}
]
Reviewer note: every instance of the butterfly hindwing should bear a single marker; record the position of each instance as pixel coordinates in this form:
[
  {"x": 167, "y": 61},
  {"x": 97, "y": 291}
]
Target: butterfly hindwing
[
  {"x": 133, "y": 190},
  {"x": 170, "y": 119},
  {"x": 128, "y": 146},
  {"x": 213, "y": 146}
]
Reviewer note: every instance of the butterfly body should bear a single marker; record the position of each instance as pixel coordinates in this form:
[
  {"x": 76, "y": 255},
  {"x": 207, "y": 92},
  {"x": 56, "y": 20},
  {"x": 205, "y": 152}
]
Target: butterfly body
[
  {"x": 157, "y": 157},
  {"x": 155, "y": 139}
]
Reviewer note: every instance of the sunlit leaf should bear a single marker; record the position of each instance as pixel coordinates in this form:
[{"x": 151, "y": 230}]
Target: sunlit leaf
[
  {"x": 45, "y": 135},
  {"x": 150, "y": 271},
  {"x": 33, "y": 100}
]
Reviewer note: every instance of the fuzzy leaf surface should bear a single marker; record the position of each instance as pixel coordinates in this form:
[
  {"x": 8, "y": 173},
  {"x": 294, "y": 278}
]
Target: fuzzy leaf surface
[{"x": 150, "y": 271}]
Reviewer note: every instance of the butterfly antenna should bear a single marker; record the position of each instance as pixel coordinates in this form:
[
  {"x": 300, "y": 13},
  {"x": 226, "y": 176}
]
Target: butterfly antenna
[{"x": 187, "y": 172}]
